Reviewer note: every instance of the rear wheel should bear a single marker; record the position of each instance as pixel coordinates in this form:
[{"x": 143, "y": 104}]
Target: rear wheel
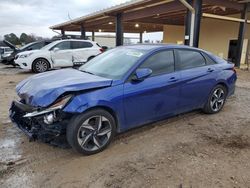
[
  {"x": 91, "y": 132},
  {"x": 216, "y": 100},
  {"x": 40, "y": 65},
  {"x": 90, "y": 58}
]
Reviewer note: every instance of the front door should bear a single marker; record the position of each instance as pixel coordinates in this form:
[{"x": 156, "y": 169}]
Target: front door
[
  {"x": 156, "y": 96},
  {"x": 83, "y": 51},
  {"x": 61, "y": 54}
]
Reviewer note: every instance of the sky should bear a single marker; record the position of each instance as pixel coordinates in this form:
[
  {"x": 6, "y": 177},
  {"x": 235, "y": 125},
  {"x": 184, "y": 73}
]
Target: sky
[{"x": 36, "y": 16}]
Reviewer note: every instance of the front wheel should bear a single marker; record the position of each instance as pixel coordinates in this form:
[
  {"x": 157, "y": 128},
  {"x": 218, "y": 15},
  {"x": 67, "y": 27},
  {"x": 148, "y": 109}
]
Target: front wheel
[
  {"x": 40, "y": 65},
  {"x": 91, "y": 132},
  {"x": 216, "y": 100}
]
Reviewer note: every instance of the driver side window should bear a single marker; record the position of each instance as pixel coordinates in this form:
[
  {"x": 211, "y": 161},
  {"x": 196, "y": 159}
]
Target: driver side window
[
  {"x": 160, "y": 63},
  {"x": 63, "y": 45}
]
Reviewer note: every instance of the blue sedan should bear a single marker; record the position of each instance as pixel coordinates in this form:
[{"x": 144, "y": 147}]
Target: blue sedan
[{"x": 118, "y": 90}]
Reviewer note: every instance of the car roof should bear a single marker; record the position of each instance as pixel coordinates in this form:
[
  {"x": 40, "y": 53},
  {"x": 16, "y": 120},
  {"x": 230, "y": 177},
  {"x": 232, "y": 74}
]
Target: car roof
[
  {"x": 150, "y": 47},
  {"x": 77, "y": 40}
]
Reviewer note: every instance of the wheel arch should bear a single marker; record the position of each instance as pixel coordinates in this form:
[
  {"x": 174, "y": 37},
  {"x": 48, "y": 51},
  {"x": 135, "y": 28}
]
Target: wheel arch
[
  {"x": 224, "y": 85},
  {"x": 91, "y": 57},
  {"x": 43, "y": 59},
  {"x": 109, "y": 110}
]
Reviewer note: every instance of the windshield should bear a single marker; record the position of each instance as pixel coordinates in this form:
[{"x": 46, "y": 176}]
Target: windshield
[
  {"x": 113, "y": 64},
  {"x": 8, "y": 50},
  {"x": 27, "y": 45}
]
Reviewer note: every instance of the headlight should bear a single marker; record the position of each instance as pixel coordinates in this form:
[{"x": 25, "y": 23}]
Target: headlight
[
  {"x": 59, "y": 104},
  {"x": 25, "y": 55}
]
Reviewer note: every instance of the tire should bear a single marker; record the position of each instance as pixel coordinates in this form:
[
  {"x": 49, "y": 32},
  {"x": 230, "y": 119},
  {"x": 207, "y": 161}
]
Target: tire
[
  {"x": 4, "y": 62},
  {"x": 91, "y": 57},
  {"x": 216, "y": 100},
  {"x": 40, "y": 65},
  {"x": 12, "y": 62},
  {"x": 86, "y": 137}
]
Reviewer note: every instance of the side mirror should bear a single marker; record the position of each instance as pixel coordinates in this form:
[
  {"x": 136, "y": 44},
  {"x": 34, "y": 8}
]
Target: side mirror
[
  {"x": 55, "y": 49},
  {"x": 141, "y": 74},
  {"x": 29, "y": 49}
]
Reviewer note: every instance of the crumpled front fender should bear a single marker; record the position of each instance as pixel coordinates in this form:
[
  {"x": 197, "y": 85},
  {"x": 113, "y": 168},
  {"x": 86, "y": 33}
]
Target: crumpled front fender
[
  {"x": 109, "y": 98},
  {"x": 77, "y": 105}
]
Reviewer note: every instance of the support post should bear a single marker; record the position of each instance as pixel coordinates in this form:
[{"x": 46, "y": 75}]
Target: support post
[
  {"x": 197, "y": 22},
  {"x": 188, "y": 24},
  {"x": 141, "y": 37},
  {"x": 83, "y": 34},
  {"x": 62, "y": 33},
  {"x": 119, "y": 30},
  {"x": 192, "y": 19},
  {"x": 241, "y": 34},
  {"x": 93, "y": 35}
]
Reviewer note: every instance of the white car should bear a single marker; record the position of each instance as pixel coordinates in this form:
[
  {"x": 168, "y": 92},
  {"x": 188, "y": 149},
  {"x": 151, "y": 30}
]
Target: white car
[{"x": 62, "y": 53}]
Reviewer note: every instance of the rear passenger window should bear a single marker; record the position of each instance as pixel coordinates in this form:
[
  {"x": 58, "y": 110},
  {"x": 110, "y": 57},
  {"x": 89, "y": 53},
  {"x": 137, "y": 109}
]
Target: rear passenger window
[
  {"x": 190, "y": 59},
  {"x": 209, "y": 61},
  {"x": 65, "y": 45},
  {"x": 81, "y": 44},
  {"x": 160, "y": 63}
]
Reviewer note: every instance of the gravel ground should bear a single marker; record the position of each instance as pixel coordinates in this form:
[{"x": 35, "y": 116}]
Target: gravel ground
[{"x": 190, "y": 150}]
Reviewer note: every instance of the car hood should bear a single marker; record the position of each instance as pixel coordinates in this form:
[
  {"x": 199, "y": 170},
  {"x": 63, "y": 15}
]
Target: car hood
[
  {"x": 43, "y": 89},
  {"x": 12, "y": 46},
  {"x": 28, "y": 52}
]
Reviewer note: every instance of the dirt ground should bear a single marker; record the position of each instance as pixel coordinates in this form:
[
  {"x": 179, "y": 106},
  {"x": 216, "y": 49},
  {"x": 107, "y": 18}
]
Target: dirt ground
[{"x": 191, "y": 150}]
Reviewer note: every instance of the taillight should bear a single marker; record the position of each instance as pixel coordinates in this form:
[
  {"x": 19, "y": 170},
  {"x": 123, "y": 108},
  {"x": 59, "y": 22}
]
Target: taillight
[{"x": 101, "y": 50}]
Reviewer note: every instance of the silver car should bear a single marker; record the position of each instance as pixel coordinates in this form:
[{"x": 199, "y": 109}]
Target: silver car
[{"x": 5, "y": 51}]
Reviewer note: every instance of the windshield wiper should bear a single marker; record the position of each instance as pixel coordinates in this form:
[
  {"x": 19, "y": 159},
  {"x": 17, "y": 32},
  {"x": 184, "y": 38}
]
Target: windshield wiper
[{"x": 88, "y": 72}]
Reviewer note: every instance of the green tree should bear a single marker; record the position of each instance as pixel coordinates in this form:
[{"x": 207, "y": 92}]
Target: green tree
[{"x": 25, "y": 39}]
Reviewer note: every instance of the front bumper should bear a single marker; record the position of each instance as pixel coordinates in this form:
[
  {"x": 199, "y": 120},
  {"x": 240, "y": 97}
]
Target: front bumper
[
  {"x": 22, "y": 63},
  {"x": 35, "y": 127}
]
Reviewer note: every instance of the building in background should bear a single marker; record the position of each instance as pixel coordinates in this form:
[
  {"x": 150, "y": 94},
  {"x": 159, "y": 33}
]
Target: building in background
[
  {"x": 219, "y": 26},
  {"x": 110, "y": 40}
]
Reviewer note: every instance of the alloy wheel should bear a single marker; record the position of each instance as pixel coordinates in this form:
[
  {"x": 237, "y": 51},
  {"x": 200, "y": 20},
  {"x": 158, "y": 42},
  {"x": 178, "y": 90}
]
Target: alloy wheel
[
  {"x": 217, "y": 99},
  {"x": 41, "y": 66},
  {"x": 94, "y": 133}
]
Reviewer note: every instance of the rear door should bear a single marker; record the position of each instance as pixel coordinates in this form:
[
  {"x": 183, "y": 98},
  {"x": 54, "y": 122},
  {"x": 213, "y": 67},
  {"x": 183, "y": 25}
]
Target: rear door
[
  {"x": 157, "y": 95},
  {"x": 197, "y": 77},
  {"x": 82, "y": 50},
  {"x": 61, "y": 54}
]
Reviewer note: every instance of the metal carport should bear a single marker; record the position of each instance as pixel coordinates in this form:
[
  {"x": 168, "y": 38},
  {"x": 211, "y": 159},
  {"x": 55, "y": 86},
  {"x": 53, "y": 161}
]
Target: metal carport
[{"x": 139, "y": 16}]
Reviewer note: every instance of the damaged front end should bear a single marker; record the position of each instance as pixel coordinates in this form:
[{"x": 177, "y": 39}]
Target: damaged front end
[{"x": 41, "y": 123}]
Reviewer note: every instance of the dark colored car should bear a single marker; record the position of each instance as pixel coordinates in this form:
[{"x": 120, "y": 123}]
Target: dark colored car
[
  {"x": 9, "y": 59},
  {"x": 123, "y": 88}
]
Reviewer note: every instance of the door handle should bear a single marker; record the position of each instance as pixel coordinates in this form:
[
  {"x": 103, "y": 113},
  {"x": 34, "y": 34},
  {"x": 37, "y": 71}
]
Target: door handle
[
  {"x": 210, "y": 70},
  {"x": 173, "y": 79}
]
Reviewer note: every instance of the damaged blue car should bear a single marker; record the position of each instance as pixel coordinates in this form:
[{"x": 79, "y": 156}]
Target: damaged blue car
[{"x": 121, "y": 89}]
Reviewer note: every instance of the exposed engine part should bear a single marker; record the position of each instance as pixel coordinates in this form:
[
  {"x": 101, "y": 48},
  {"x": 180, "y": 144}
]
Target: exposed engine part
[{"x": 49, "y": 118}]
